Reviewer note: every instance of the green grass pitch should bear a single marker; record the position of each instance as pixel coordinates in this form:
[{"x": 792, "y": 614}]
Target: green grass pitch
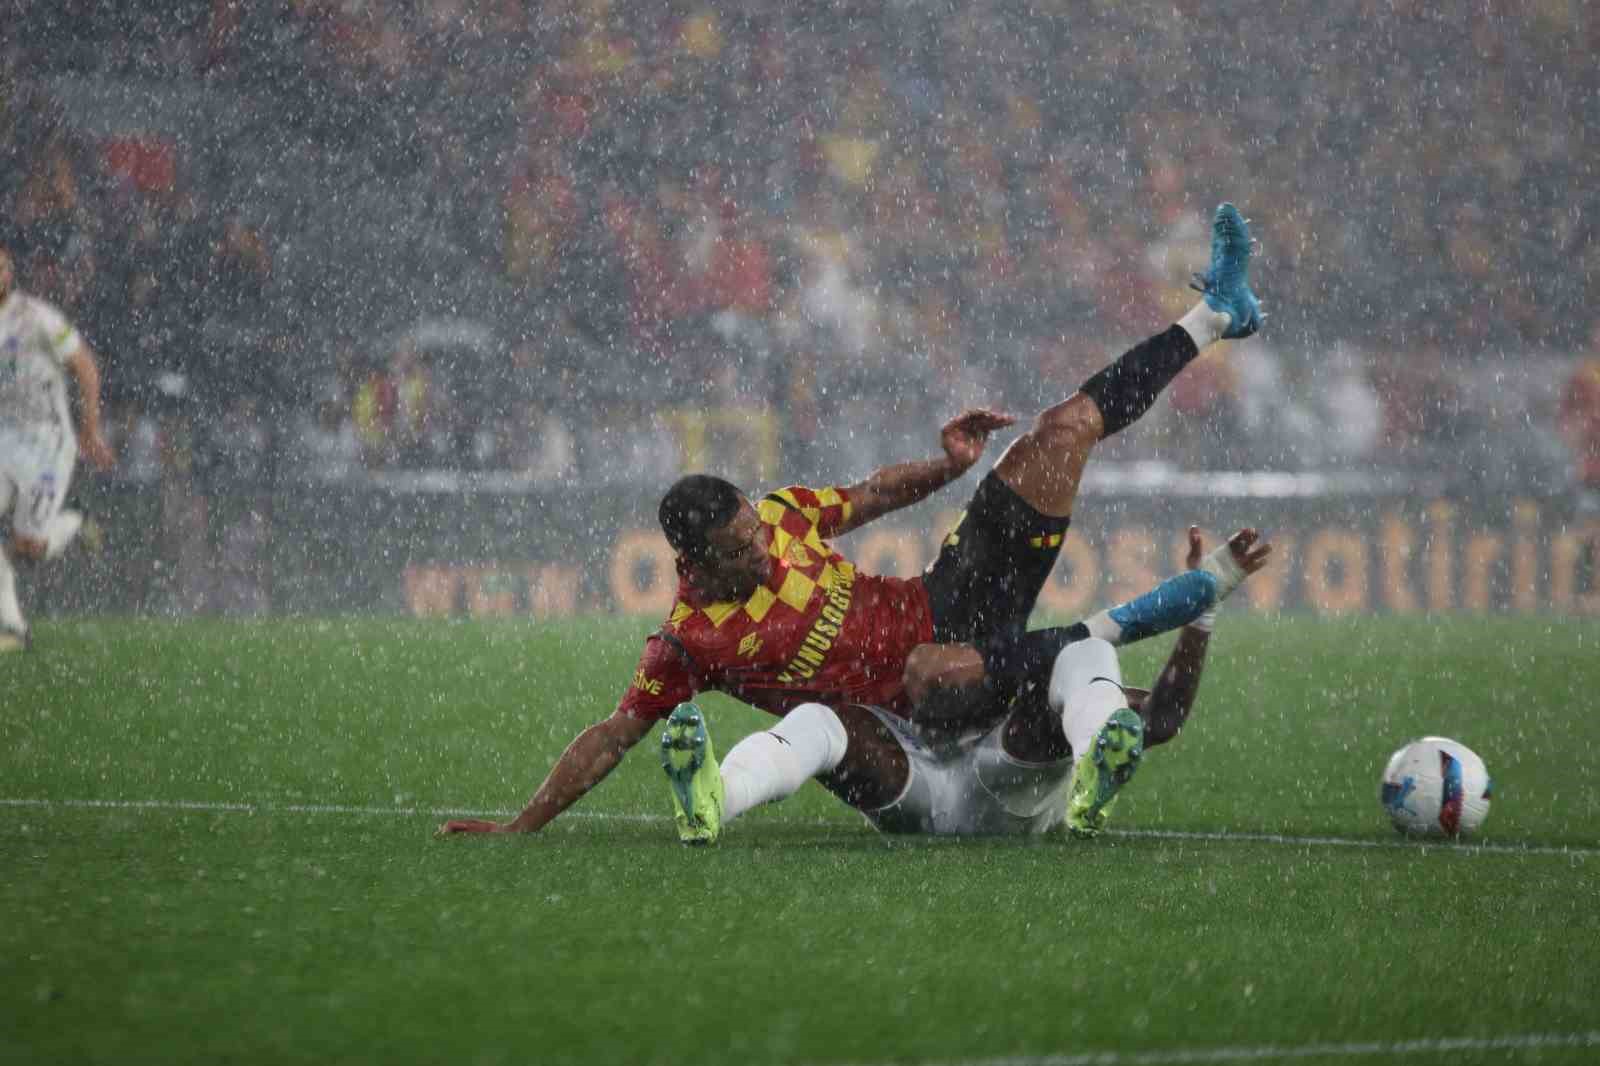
[{"x": 216, "y": 847}]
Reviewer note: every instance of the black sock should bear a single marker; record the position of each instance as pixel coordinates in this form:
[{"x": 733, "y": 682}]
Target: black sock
[
  {"x": 1125, "y": 390},
  {"x": 1013, "y": 658}
]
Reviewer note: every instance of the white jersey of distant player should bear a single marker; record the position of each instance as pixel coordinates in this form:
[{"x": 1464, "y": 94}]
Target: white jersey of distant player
[{"x": 35, "y": 342}]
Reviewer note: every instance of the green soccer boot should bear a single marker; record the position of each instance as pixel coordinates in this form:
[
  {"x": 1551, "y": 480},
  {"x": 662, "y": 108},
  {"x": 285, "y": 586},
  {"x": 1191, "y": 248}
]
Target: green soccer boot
[
  {"x": 1102, "y": 772},
  {"x": 691, "y": 766}
]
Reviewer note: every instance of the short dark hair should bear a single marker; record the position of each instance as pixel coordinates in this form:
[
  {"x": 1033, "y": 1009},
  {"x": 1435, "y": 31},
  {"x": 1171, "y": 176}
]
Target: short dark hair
[{"x": 694, "y": 506}]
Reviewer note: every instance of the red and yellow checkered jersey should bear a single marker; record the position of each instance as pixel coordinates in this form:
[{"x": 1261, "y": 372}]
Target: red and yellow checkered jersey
[{"x": 817, "y": 630}]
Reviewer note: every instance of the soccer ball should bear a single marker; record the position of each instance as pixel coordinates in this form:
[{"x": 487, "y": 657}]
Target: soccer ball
[{"x": 1436, "y": 787}]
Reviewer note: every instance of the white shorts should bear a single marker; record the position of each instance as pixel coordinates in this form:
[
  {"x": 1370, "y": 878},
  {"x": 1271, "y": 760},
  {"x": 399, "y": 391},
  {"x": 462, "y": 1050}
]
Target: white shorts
[
  {"x": 35, "y": 469},
  {"x": 969, "y": 786}
]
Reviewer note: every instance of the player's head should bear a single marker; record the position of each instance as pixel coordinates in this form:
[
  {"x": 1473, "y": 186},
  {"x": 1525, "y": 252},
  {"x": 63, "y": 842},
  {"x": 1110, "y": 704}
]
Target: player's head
[
  {"x": 7, "y": 273},
  {"x": 717, "y": 534}
]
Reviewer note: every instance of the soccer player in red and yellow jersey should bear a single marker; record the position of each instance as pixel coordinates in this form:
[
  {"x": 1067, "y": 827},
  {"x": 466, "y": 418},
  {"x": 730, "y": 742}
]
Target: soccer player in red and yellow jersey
[{"x": 769, "y": 612}]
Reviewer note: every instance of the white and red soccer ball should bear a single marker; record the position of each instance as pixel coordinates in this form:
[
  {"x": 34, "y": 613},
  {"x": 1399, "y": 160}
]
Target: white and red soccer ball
[{"x": 1436, "y": 787}]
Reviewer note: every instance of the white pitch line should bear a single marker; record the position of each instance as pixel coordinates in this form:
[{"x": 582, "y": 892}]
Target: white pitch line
[
  {"x": 1347, "y": 842},
  {"x": 1278, "y": 1052},
  {"x": 1219, "y": 836},
  {"x": 204, "y": 806}
]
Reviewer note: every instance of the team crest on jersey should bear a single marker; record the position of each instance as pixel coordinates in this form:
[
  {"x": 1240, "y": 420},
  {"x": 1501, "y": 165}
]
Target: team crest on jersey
[
  {"x": 798, "y": 556},
  {"x": 749, "y": 646}
]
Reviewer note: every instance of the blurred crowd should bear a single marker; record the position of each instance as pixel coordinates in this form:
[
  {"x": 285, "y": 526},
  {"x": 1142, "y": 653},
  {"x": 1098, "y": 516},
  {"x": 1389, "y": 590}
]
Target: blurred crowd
[{"x": 325, "y": 236}]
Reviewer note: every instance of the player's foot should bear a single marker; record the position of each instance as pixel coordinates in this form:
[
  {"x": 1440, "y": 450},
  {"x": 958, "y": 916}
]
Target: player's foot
[
  {"x": 14, "y": 640},
  {"x": 1226, "y": 286},
  {"x": 691, "y": 765},
  {"x": 1103, "y": 771}
]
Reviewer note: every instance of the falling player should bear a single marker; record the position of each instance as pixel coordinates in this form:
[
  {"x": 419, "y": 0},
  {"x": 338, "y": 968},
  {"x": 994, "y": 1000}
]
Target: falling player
[
  {"x": 997, "y": 732},
  {"x": 771, "y": 614}
]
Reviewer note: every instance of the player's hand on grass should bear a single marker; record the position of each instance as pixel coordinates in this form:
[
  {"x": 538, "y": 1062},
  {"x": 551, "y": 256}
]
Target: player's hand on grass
[
  {"x": 456, "y": 826},
  {"x": 964, "y": 436}
]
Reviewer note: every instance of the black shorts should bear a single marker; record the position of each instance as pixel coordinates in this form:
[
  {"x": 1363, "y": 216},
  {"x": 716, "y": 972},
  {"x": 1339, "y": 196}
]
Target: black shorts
[{"x": 992, "y": 565}]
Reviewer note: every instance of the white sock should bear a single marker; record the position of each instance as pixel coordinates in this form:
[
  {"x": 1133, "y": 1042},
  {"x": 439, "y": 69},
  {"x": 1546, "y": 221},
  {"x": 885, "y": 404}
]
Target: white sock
[
  {"x": 1102, "y": 627},
  {"x": 1204, "y": 325},
  {"x": 1086, "y": 687},
  {"x": 10, "y": 609},
  {"x": 60, "y": 532},
  {"x": 766, "y": 767}
]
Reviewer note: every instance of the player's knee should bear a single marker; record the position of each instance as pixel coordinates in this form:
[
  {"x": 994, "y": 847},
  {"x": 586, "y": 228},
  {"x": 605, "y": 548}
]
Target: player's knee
[
  {"x": 817, "y": 719},
  {"x": 1076, "y": 423},
  {"x": 813, "y": 716}
]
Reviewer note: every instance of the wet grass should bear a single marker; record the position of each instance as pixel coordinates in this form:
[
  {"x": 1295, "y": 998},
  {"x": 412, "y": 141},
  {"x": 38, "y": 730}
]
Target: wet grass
[{"x": 216, "y": 848}]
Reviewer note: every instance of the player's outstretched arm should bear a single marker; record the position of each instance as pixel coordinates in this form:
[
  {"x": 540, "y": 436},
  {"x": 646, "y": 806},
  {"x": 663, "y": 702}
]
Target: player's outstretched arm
[
  {"x": 588, "y": 759},
  {"x": 1165, "y": 708},
  {"x": 963, "y": 439},
  {"x": 85, "y": 369}
]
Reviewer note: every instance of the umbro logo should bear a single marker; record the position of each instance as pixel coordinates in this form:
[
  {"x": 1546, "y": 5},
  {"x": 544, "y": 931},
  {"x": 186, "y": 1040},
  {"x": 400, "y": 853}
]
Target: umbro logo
[{"x": 749, "y": 646}]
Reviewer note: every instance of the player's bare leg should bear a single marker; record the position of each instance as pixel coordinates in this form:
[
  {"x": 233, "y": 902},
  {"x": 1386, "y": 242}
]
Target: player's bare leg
[
  {"x": 1045, "y": 465},
  {"x": 14, "y": 634},
  {"x": 13, "y": 627}
]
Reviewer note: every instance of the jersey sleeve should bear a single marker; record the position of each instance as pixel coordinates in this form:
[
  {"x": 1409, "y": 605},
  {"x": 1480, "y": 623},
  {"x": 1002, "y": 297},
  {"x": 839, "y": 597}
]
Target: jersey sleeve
[
  {"x": 827, "y": 509},
  {"x": 661, "y": 682},
  {"x": 58, "y": 337}
]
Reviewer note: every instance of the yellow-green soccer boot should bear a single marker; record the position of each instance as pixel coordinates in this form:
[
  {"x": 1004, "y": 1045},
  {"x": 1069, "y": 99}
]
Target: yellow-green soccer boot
[
  {"x": 1102, "y": 771},
  {"x": 691, "y": 766}
]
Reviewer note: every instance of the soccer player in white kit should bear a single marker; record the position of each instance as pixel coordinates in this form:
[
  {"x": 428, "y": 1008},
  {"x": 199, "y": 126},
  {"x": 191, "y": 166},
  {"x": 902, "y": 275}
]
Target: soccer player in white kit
[{"x": 39, "y": 442}]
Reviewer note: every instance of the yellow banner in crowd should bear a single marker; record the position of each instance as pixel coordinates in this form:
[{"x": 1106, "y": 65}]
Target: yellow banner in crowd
[{"x": 1392, "y": 562}]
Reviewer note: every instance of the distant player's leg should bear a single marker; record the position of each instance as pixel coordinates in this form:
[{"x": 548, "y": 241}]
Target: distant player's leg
[
  {"x": 1045, "y": 465},
  {"x": 762, "y": 768},
  {"x": 60, "y": 532},
  {"x": 55, "y": 526},
  {"x": 39, "y": 473},
  {"x": 13, "y": 627}
]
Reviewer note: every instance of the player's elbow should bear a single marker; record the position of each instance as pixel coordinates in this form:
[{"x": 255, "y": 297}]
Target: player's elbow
[
  {"x": 619, "y": 733},
  {"x": 921, "y": 674},
  {"x": 942, "y": 681}
]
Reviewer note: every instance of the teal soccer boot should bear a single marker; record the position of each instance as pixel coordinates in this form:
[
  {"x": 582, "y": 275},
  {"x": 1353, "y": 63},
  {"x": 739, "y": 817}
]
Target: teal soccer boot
[{"x": 1226, "y": 286}]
